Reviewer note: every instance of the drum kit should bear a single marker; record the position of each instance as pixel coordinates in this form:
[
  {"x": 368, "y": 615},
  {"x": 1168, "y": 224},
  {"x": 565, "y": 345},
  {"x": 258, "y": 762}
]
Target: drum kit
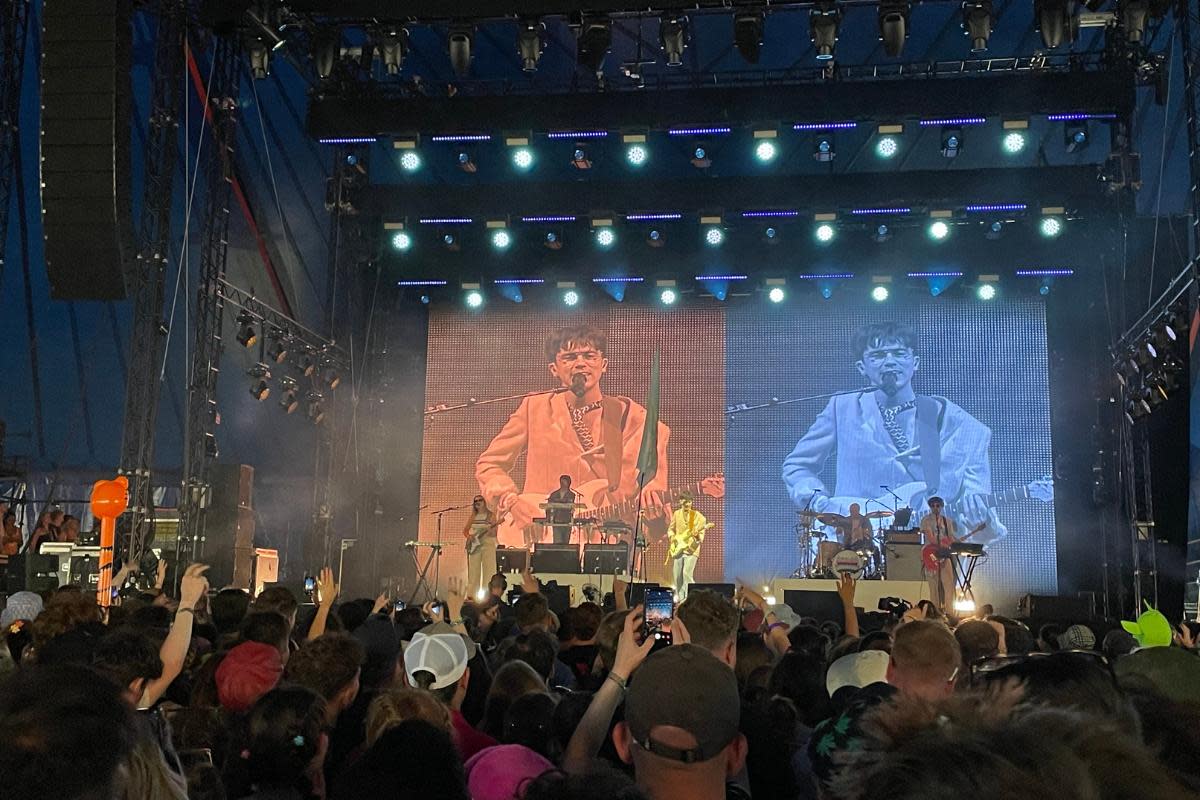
[{"x": 822, "y": 552}]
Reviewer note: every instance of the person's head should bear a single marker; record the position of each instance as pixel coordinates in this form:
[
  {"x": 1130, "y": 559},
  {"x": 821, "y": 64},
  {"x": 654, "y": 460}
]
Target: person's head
[
  {"x": 388, "y": 709},
  {"x": 21, "y": 605},
  {"x": 10, "y": 519},
  {"x": 227, "y": 609},
  {"x": 712, "y": 622},
  {"x": 280, "y": 600},
  {"x": 1047, "y": 639},
  {"x": 56, "y": 517},
  {"x": 66, "y": 731},
  {"x": 685, "y": 500},
  {"x": 65, "y": 612},
  {"x": 532, "y": 611},
  {"x": 283, "y": 742},
  {"x": 977, "y": 640},
  {"x": 681, "y": 722},
  {"x": 576, "y": 357},
  {"x": 330, "y": 665},
  {"x": 884, "y": 355},
  {"x": 936, "y": 505},
  {"x": 607, "y": 635},
  {"x": 129, "y": 659},
  {"x": 354, "y": 613},
  {"x": 69, "y": 532},
  {"x": 1017, "y": 638},
  {"x": 529, "y": 721},
  {"x": 600, "y": 782},
  {"x": 1118, "y": 642},
  {"x": 513, "y": 680},
  {"x": 266, "y": 627},
  {"x": 413, "y": 759},
  {"x": 479, "y": 503},
  {"x": 537, "y": 648},
  {"x": 503, "y": 772},
  {"x": 752, "y": 653},
  {"x": 43, "y": 521},
  {"x": 855, "y": 509},
  {"x": 925, "y": 660},
  {"x": 810, "y": 641},
  {"x": 436, "y": 661},
  {"x": 1079, "y": 681},
  {"x": 379, "y": 639},
  {"x": 564, "y": 482},
  {"x": 497, "y": 585},
  {"x": 246, "y": 673},
  {"x": 585, "y": 621}
]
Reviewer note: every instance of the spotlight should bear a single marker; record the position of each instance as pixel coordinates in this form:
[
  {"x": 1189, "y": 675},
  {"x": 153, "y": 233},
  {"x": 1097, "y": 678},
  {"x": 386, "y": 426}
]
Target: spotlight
[
  {"x": 951, "y": 141},
  {"x": 1013, "y": 142},
  {"x": 410, "y": 161},
  {"x": 668, "y": 297},
  {"x": 501, "y": 239},
  {"x": 887, "y": 147},
  {"x": 674, "y": 39},
  {"x": 964, "y": 605},
  {"x": 655, "y": 238},
  {"x": 606, "y": 237},
  {"x": 977, "y": 23},
  {"x": 879, "y": 294},
  {"x": 827, "y": 292},
  {"x": 1044, "y": 289},
  {"x": 893, "y": 25},
  {"x": 259, "y": 388},
  {"x": 331, "y": 377},
  {"x": 823, "y": 22},
  {"x": 825, "y": 233},
  {"x": 474, "y": 299},
  {"x": 401, "y": 241},
  {"x": 278, "y": 351},
  {"x": 247, "y": 334},
  {"x": 307, "y": 363},
  {"x": 459, "y": 45},
  {"x": 636, "y": 154},
  {"x": 552, "y": 241},
  {"x": 776, "y": 294},
  {"x": 938, "y": 230},
  {"x": 594, "y": 37},
  {"x": 700, "y": 159},
  {"x": 1050, "y": 227},
  {"x": 714, "y": 236},
  {"x": 529, "y": 44},
  {"x": 1132, "y": 14},
  {"x": 466, "y": 163},
  {"x": 1055, "y": 21},
  {"x": 823, "y": 149},
  {"x": 392, "y": 45},
  {"x": 424, "y": 299},
  {"x": 522, "y": 158},
  {"x": 770, "y": 235},
  {"x": 451, "y": 243},
  {"x": 579, "y": 158},
  {"x": 289, "y": 402},
  {"x": 316, "y": 411},
  {"x": 995, "y": 229},
  {"x": 986, "y": 291},
  {"x": 1075, "y": 135},
  {"x": 570, "y": 298},
  {"x": 748, "y": 34},
  {"x": 882, "y": 233},
  {"x": 765, "y": 151}
]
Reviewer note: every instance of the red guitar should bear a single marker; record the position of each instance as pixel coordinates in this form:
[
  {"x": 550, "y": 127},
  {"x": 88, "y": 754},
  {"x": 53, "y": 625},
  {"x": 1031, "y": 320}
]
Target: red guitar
[{"x": 932, "y": 553}]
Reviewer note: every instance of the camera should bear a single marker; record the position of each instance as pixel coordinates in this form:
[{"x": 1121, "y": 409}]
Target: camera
[{"x": 894, "y": 606}]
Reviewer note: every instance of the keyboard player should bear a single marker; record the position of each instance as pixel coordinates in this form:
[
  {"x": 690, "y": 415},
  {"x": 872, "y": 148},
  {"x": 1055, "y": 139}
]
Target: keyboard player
[{"x": 560, "y": 518}]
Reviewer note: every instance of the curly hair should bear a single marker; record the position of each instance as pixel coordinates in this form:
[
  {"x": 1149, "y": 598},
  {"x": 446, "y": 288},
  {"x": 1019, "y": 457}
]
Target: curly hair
[
  {"x": 64, "y": 613},
  {"x": 327, "y": 664}
]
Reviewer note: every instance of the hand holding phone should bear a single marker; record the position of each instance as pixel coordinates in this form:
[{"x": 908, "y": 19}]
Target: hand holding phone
[
  {"x": 660, "y": 612},
  {"x": 310, "y": 584},
  {"x": 399, "y": 605}
]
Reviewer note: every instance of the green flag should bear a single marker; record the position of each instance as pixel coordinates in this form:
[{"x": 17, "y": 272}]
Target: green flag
[{"x": 647, "y": 462}]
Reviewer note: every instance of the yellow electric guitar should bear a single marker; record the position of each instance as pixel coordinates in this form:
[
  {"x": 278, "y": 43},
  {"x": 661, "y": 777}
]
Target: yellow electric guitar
[{"x": 685, "y": 543}]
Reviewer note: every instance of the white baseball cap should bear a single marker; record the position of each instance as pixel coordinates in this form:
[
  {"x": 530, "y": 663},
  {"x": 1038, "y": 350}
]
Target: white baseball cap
[
  {"x": 857, "y": 670},
  {"x": 439, "y": 650}
]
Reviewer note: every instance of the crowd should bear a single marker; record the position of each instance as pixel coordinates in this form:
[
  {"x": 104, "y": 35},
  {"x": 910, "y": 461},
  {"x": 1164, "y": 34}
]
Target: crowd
[{"x": 215, "y": 694}]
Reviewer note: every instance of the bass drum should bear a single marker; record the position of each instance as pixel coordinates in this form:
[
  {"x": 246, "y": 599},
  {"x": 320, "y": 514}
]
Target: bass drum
[{"x": 848, "y": 562}]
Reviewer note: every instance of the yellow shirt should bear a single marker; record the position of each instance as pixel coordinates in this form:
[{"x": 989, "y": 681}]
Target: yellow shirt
[{"x": 686, "y": 525}]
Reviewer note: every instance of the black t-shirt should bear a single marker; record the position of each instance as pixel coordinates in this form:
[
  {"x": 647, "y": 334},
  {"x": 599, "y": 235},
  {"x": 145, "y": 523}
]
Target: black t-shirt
[
  {"x": 579, "y": 658},
  {"x": 561, "y": 515}
]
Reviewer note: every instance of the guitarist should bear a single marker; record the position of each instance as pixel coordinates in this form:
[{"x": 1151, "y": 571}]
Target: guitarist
[
  {"x": 480, "y": 535},
  {"x": 685, "y": 535},
  {"x": 941, "y": 531}
]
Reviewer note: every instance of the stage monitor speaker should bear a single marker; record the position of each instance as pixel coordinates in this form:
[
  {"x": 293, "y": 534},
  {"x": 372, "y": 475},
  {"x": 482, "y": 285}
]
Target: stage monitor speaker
[
  {"x": 726, "y": 590},
  {"x": 1057, "y": 608},
  {"x": 605, "y": 559},
  {"x": 87, "y": 211},
  {"x": 561, "y": 558},
  {"x": 904, "y": 562},
  {"x": 85, "y": 572},
  {"x": 511, "y": 559},
  {"x": 823, "y": 606},
  {"x": 229, "y": 527}
]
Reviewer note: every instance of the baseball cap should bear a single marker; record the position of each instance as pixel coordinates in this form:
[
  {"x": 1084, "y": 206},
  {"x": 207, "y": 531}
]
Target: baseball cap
[
  {"x": 684, "y": 686},
  {"x": 440, "y": 650},
  {"x": 1077, "y": 637},
  {"x": 857, "y": 670},
  {"x": 22, "y": 605}
]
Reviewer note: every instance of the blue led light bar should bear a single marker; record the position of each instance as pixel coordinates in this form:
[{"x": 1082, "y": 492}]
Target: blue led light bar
[
  {"x": 349, "y": 140},
  {"x": 650, "y": 217},
  {"x": 462, "y": 137},
  {"x": 576, "y": 134},
  {"x": 622, "y": 279},
  {"x": 935, "y": 274},
  {"x": 698, "y": 131},
  {"x": 755, "y": 214},
  {"x": 517, "y": 281},
  {"x": 824, "y": 126},
  {"x": 859, "y": 212},
  {"x": 997, "y": 207},
  {"x": 1073, "y": 117},
  {"x": 1042, "y": 273},
  {"x": 827, "y": 276},
  {"x": 420, "y": 283},
  {"x": 562, "y": 218},
  {"x": 928, "y": 123},
  {"x": 446, "y": 221},
  {"x": 721, "y": 277}
]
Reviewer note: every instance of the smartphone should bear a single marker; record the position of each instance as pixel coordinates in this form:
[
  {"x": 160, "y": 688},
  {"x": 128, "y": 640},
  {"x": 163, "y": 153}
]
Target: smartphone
[
  {"x": 438, "y": 609},
  {"x": 399, "y": 606},
  {"x": 660, "y": 610},
  {"x": 310, "y": 584}
]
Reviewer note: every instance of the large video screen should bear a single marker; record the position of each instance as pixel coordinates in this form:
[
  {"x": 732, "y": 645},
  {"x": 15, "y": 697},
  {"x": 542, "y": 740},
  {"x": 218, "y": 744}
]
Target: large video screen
[{"x": 769, "y": 415}]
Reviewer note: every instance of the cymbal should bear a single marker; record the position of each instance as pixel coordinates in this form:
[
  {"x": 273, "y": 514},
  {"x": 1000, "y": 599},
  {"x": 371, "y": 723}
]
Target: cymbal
[
  {"x": 832, "y": 519},
  {"x": 878, "y": 514}
]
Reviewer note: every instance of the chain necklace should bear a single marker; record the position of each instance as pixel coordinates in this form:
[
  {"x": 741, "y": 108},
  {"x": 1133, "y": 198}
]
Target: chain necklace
[
  {"x": 581, "y": 429},
  {"x": 894, "y": 429}
]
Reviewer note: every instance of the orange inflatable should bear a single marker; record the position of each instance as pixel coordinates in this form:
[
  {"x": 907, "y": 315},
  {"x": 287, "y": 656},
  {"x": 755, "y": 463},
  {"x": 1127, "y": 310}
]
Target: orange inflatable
[{"x": 109, "y": 501}]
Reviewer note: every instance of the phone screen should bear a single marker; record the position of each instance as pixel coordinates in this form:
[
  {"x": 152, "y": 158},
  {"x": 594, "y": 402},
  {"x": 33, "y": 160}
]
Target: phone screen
[
  {"x": 310, "y": 583},
  {"x": 438, "y": 608},
  {"x": 660, "y": 610},
  {"x": 400, "y": 605}
]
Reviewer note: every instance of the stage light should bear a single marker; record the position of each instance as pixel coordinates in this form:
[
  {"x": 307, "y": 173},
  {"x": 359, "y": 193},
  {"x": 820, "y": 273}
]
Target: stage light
[
  {"x": 1044, "y": 289},
  {"x": 552, "y": 240},
  {"x": 1133, "y": 14},
  {"x": 673, "y": 36},
  {"x": 714, "y": 236},
  {"x": 986, "y": 291},
  {"x": 529, "y": 44},
  {"x": 771, "y": 235},
  {"x": 579, "y": 158},
  {"x": 459, "y": 45},
  {"x": 882, "y": 233},
  {"x": 887, "y": 147},
  {"x": 636, "y": 154},
  {"x": 247, "y": 334},
  {"x": 278, "y": 351},
  {"x": 259, "y": 388},
  {"x": 307, "y": 363},
  {"x": 424, "y": 299},
  {"x": 995, "y": 229},
  {"x": 880, "y": 294},
  {"x": 765, "y": 151},
  {"x": 401, "y": 241},
  {"x": 748, "y": 34},
  {"x": 594, "y": 37},
  {"x": 606, "y": 237},
  {"x": 938, "y": 230},
  {"x": 951, "y": 141},
  {"x": 289, "y": 402},
  {"x": 522, "y": 158},
  {"x": 1050, "y": 227},
  {"x": 1013, "y": 142},
  {"x": 823, "y": 149},
  {"x": 501, "y": 239},
  {"x": 466, "y": 163},
  {"x": 827, "y": 291},
  {"x": 825, "y": 233},
  {"x": 1055, "y": 21},
  {"x": 410, "y": 161},
  {"x": 700, "y": 159},
  {"x": 331, "y": 377},
  {"x": 823, "y": 22},
  {"x": 668, "y": 297},
  {"x": 776, "y": 294},
  {"x": 570, "y": 298},
  {"x": 316, "y": 410},
  {"x": 480, "y": 594},
  {"x": 474, "y": 299},
  {"x": 655, "y": 238},
  {"x": 964, "y": 605},
  {"x": 1075, "y": 135},
  {"x": 893, "y": 25},
  {"x": 392, "y": 45},
  {"x": 977, "y": 23}
]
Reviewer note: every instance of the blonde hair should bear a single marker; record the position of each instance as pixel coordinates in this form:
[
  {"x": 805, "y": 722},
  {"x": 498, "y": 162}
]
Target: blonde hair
[
  {"x": 394, "y": 706},
  {"x": 149, "y": 777}
]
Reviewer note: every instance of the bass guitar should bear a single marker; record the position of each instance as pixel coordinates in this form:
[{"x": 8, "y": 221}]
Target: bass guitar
[{"x": 935, "y": 553}]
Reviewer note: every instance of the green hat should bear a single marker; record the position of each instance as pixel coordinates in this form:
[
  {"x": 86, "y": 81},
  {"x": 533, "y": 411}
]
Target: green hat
[{"x": 1151, "y": 628}]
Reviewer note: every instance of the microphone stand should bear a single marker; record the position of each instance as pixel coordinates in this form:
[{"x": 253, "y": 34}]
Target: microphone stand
[
  {"x": 442, "y": 408},
  {"x": 774, "y": 402}
]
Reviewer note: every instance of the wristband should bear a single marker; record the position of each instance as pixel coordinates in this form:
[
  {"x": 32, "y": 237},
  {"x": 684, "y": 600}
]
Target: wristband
[
  {"x": 618, "y": 680},
  {"x": 775, "y": 625},
  {"x": 457, "y": 622},
  {"x": 191, "y": 611}
]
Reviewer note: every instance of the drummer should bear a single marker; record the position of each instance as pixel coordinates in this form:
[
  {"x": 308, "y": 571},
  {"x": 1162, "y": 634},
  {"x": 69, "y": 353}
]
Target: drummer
[{"x": 852, "y": 529}]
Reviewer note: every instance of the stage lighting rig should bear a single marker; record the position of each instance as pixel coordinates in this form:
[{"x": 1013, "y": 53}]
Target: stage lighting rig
[
  {"x": 893, "y": 25},
  {"x": 529, "y": 43},
  {"x": 289, "y": 402},
  {"x": 580, "y": 158},
  {"x": 593, "y": 38},
  {"x": 247, "y": 334},
  {"x": 466, "y": 162},
  {"x": 259, "y": 388},
  {"x": 1076, "y": 135},
  {"x": 748, "y": 33},
  {"x": 458, "y": 43},
  {"x": 316, "y": 410},
  {"x": 393, "y": 45},
  {"x": 280, "y": 346},
  {"x": 951, "y": 141},
  {"x": 977, "y": 23},
  {"x": 672, "y": 32},
  {"x": 1055, "y": 21},
  {"x": 823, "y": 22},
  {"x": 823, "y": 150}
]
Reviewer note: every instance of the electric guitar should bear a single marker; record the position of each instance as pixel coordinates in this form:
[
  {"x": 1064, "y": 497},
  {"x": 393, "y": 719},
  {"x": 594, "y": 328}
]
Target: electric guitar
[
  {"x": 474, "y": 539},
  {"x": 686, "y": 544},
  {"x": 915, "y": 494},
  {"x": 932, "y": 554}
]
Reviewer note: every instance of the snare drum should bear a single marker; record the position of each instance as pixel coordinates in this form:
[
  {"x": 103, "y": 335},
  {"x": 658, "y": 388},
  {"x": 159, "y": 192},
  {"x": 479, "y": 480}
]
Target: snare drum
[{"x": 848, "y": 562}]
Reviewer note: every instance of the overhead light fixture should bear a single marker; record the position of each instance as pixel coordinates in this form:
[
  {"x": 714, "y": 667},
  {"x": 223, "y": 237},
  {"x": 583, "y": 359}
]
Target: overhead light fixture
[
  {"x": 593, "y": 38},
  {"x": 951, "y": 141},
  {"x": 473, "y": 298},
  {"x": 939, "y": 228},
  {"x": 501, "y": 239},
  {"x": 635, "y": 148},
  {"x": 672, "y": 33},
  {"x": 977, "y": 23},
  {"x": 986, "y": 291},
  {"x": 1015, "y": 135},
  {"x": 887, "y": 147},
  {"x": 770, "y": 234},
  {"x": 259, "y": 388},
  {"x": 1050, "y": 227},
  {"x": 410, "y": 159},
  {"x": 823, "y": 148},
  {"x": 553, "y": 240},
  {"x": 823, "y": 22},
  {"x": 995, "y": 229},
  {"x": 765, "y": 148},
  {"x": 459, "y": 45},
  {"x": 393, "y": 44},
  {"x": 1055, "y": 21},
  {"x": 529, "y": 44},
  {"x": 316, "y": 408},
  {"x": 1075, "y": 135},
  {"x": 570, "y": 293},
  {"x": 879, "y": 293},
  {"x": 655, "y": 237},
  {"x": 776, "y": 294},
  {"x": 466, "y": 163},
  {"x": 825, "y": 233},
  {"x": 247, "y": 334},
  {"x": 882, "y": 233},
  {"x": 580, "y": 159},
  {"x": 1132, "y": 15},
  {"x": 289, "y": 402},
  {"x": 748, "y": 33},
  {"x": 893, "y": 25},
  {"x": 606, "y": 237},
  {"x": 307, "y": 362},
  {"x": 700, "y": 157},
  {"x": 279, "y": 347}
]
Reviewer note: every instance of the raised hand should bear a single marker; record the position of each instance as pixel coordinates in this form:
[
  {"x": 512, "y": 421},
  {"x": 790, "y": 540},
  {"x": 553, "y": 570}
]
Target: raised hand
[
  {"x": 327, "y": 589},
  {"x": 380, "y": 602},
  {"x": 630, "y": 652},
  {"x": 845, "y": 588},
  {"x": 192, "y": 585}
]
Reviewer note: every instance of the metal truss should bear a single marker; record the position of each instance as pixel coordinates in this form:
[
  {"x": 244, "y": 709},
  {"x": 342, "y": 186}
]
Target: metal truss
[
  {"x": 14, "y": 18},
  {"x": 275, "y": 320},
  {"x": 147, "y": 277},
  {"x": 200, "y": 437},
  {"x": 1188, "y": 21}
]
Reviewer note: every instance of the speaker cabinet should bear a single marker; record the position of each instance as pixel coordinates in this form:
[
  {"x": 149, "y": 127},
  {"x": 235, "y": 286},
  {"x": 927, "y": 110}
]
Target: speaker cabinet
[
  {"x": 229, "y": 526},
  {"x": 560, "y": 558},
  {"x": 903, "y": 562}
]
